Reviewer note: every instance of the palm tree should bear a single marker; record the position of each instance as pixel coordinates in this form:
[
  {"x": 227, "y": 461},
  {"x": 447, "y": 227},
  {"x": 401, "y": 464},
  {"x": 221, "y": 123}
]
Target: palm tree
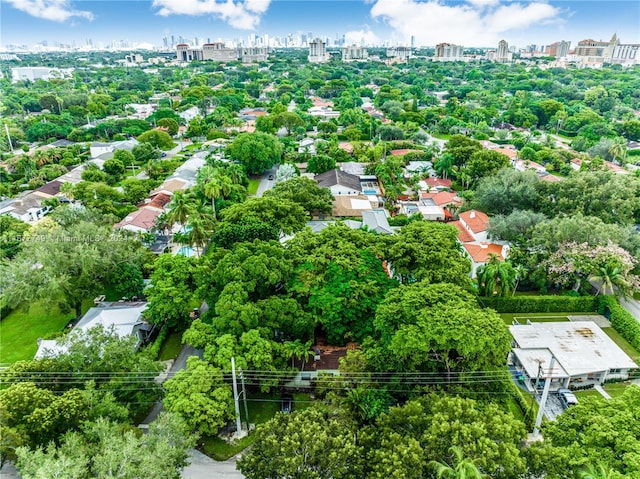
[
  {"x": 214, "y": 184},
  {"x": 611, "y": 279},
  {"x": 201, "y": 226},
  {"x": 67, "y": 190},
  {"x": 496, "y": 277},
  {"x": 618, "y": 150},
  {"x": 597, "y": 472},
  {"x": 464, "y": 468},
  {"x": 444, "y": 165},
  {"x": 180, "y": 207}
]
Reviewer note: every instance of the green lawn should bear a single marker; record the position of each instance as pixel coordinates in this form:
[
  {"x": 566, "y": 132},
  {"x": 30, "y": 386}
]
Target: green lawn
[
  {"x": 262, "y": 407},
  {"x": 20, "y": 330},
  {"x": 622, "y": 343},
  {"x": 253, "y": 186},
  {"x": 171, "y": 346},
  {"x": 588, "y": 393},
  {"x": 539, "y": 317}
]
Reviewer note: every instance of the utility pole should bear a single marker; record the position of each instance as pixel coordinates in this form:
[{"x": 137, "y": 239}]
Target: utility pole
[
  {"x": 545, "y": 394},
  {"x": 6, "y": 128},
  {"x": 235, "y": 397},
  {"x": 244, "y": 398}
]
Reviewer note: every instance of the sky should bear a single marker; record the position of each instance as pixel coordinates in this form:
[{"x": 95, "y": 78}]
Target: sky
[{"x": 470, "y": 23}]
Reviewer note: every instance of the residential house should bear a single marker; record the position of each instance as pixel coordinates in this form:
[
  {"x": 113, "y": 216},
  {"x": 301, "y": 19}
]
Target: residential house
[
  {"x": 476, "y": 223},
  {"x": 472, "y": 234},
  {"x": 142, "y": 220},
  {"x": 376, "y": 221},
  {"x": 339, "y": 182},
  {"x": 584, "y": 354},
  {"x": 106, "y": 150},
  {"x": 480, "y": 254},
  {"x": 124, "y": 318}
]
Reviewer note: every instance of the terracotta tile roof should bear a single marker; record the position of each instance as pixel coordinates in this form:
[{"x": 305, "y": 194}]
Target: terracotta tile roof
[
  {"x": 435, "y": 182},
  {"x": 464, "y": 236},
  {"x": 551, "y": 178},
  {"x": 404, "y": 151},
  {"x": 144, "y": 218},
  {"x": 346, "y": 146},
  {"x": 481, "y": 252},
  {"x": 159, "y": 201},
  {"x": 443, "y": 198},
  {"x": 512, "y": 154},
  {"x": 477, "y": 221}
]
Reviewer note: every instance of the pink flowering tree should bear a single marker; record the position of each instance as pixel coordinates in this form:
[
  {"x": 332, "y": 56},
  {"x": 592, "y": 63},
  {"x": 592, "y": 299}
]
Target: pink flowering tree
[{"x": 609, "y": 268}]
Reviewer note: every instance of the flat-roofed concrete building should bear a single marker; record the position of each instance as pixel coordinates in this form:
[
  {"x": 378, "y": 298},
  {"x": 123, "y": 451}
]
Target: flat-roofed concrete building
[
  {"x": 448, "y": 52},
  {"x": 353, "y": 53},
  {"x": 318, "y": 51},
  {"x": 584, "y": 354}
]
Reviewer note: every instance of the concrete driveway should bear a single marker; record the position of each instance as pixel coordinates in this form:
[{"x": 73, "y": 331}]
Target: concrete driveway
[{"x": 203, "y": 467}]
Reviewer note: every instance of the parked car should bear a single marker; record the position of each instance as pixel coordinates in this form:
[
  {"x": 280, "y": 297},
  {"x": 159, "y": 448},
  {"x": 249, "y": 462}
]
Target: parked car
[
  {"x": 271, "y": 177},
  {"x": 286, "y": 403},
  {"x": 567, "y": 398}
]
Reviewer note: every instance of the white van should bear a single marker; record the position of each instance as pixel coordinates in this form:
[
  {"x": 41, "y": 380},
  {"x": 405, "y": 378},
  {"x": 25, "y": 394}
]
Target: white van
[{"x": 567, "y": 398}]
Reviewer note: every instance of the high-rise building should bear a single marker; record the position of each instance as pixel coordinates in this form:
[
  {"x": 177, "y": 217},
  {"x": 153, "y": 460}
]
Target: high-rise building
[
  {"x": 318, "y": 51},
  {"x": 558, "y": 49},
  {"x": 503, "y": 55},
  {"x": 448, "y": 52},
  {"x": 401, "y": 54},
  {"x": 413, "y": 41},
  {"x": 354, "y": 53}
]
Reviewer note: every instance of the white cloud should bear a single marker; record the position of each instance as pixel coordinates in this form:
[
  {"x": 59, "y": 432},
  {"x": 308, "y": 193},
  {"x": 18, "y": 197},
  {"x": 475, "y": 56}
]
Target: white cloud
[
  {"x": 244, "y": 15},
  {"x": 356, "y": 36},
  {"x": 475, "y": 23},
  {"x": 54, "y": 10}
]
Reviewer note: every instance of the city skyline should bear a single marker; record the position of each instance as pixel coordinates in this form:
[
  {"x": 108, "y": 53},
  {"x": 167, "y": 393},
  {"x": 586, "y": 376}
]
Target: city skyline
[{"x": 479, "y": 23}]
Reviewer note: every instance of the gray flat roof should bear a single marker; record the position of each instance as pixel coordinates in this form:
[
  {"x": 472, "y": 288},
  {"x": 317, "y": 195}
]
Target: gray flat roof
[{"x": 580, "y": 347}]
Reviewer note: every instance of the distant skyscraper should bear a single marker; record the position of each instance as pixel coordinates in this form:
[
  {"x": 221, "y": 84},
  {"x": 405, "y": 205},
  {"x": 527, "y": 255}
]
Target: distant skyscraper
[
  {"x": 503, "y": 55},
  {"x": 413, "y": 41},
  {"x": 558, "y": 49},
  {"x": 318, "y": 51}
]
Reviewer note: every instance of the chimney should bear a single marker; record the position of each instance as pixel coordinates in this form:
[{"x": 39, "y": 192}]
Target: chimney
[{"x": 473, "y": 214}]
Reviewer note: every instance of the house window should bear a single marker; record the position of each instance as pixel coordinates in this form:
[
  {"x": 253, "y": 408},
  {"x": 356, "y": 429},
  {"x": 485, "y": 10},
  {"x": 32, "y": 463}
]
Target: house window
[{"x": 615, "y": 371}]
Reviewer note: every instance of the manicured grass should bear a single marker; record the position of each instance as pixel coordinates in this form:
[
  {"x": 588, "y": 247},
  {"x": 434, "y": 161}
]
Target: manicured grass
[
  {"x": 539, "y": 317},
  {"x": 253, "y": 186},
  {"x": 588, "y": 394},
  {"x": 20, "y": 330},
  {"x": 622, "y": 343},
  {"x": 262, "y": 407},
  {"x": 220, "y": 450},
  {"x": 616, "y": 389},
  {"x": 515, "y": 409},
  {"x": 171, "y": 346}
]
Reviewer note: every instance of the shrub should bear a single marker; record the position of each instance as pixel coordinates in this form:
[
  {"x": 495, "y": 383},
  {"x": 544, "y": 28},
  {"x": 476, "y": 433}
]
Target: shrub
[
  {"x": 621, "y": 320},
  {"x": 539, "y": 304}
]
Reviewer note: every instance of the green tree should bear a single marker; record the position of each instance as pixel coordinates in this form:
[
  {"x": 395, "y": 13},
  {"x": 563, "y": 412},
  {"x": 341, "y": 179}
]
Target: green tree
[
  {"x": 181, "y": 207},
  {"x": 170, "y": 124},
  {"x": 286, "y": 215},
  {"x": 107, "y": 449},
  {"x": 287, "y": 119},
  {"x": 171, "y": 294},
  {"x": 320, "y": 163},
  {"x": 485, "y": 163},
  {"x": 157, "y": 139},
  {"x": 439, "y": 327},
  {"x": 68, "y": 265},
  {"x": 302, "y": 445},
  {"x": 306, "y": 193},
  {"x": 496, "y": 278},
  {"x": 256, "y": 151},
  {"x": 200, "y": 395},
  {"x": 145, "y": 152},
  {"x": 427, "y": 251},
  {"x": 463, "y": 468},
  {"x": 506, "y": 191}
]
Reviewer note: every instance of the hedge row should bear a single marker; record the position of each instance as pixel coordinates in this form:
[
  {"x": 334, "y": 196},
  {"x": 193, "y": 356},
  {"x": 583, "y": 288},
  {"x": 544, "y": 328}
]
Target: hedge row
[
  {"x": 154, "y": 348},
  {"x": 621, "y": 320},
  {"x": 540, "y": 304}
]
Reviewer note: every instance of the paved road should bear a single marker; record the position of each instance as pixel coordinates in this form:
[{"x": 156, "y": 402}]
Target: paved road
[
  {"x": 178, "y": 364},
  {"x": 203, "y": 467},
  {"x": 631, "y": 305},
  {"x": 265, "y": 182}
]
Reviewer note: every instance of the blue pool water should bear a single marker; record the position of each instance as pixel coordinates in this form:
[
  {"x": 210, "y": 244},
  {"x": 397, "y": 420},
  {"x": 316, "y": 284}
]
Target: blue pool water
[{"x": 187, "y": 251}]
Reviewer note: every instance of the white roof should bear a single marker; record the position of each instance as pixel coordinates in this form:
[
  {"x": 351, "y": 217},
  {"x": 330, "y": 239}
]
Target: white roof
[
  {"x": 580, "y": 347},
  {"x": 122, "y": 319},
  {"x": 49, "y": 348},
  {"x": 357, "y": 204}
]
